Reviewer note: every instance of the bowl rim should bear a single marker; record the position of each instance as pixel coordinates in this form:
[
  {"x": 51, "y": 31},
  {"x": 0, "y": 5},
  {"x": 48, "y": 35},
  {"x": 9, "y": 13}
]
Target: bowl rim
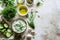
[
  {"x": 22, "y": 20},
  {"x": 20, "y": 13},
  {"x": 29, "y": 3}
]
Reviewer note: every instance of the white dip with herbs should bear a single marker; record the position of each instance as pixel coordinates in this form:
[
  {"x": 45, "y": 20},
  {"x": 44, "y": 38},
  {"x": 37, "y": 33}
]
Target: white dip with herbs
[{"x": 19, "y": 26}]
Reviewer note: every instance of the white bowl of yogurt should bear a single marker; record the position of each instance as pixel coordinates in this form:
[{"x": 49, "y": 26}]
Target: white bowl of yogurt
[{"x": 19, "y": 26}]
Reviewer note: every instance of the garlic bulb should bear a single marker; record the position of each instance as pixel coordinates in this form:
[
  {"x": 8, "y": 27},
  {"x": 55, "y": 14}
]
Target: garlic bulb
[{"x": 29, "y": 36}]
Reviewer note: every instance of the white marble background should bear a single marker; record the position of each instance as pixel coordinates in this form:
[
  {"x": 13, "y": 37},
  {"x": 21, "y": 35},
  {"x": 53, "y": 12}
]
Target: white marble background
[{"x": 47, "y": 27}]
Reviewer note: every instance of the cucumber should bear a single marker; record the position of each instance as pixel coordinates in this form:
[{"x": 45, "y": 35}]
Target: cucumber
[
  {"x": 3, "y": 30},
  {"x": 1, "y": 26},
  {"x": 8, "y": 30},
  {"x": 5, "y": 25},
  {"x": 8, "y": 34}
]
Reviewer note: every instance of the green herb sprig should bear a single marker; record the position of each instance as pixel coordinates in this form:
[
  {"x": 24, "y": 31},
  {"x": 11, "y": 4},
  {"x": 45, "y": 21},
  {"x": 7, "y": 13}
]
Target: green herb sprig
[
  {"x": 9, "y": 12},
  {"x": 31, "y": 21},
  {"x": 38, "y": 4},
  {"x": 7, "y": 2}
]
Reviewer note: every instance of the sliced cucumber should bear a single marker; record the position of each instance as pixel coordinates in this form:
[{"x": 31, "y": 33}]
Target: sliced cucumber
[
  {"x": 5, "y": 25},
  {"x": 8, "y": 30},
  {"x": 8, "y": 34},
  {"x": 1, "y": 26},
  {"x": 3, "y": 30}
]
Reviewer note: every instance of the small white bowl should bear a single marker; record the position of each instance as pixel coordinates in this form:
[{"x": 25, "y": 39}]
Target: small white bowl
[
  {"x": 13, "y": 27},
  {"x": 21, "y": 7}
]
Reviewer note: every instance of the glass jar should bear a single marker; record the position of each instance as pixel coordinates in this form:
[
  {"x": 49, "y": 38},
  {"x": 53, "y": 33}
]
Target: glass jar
[
  {"x": 29, "y": 3},
  {"x": 20, "y": 2}
]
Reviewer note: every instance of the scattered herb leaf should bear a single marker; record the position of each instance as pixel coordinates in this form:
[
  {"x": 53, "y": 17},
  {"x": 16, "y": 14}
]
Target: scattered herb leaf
[
  {"x": 36, "y": 11},
  {"x": 27, "y": 16},
  {"x": 31, "y": 24},
  {"x": 38, "y": 4},
  {"x": 38, "y": 16}
]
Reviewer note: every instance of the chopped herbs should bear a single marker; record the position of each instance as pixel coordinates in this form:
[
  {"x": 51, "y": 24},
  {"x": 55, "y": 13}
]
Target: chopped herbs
[
  {"x": 19, "y": 27},
  {"x": 8, "y": 2},
  {"x": 9, "y": 12}
]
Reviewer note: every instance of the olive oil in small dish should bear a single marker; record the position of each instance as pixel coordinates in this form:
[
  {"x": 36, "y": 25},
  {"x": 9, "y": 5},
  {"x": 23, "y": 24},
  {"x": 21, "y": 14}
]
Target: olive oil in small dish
[
  {"x": 22, "y": 10},
  {"x": 20, "y": 2}
]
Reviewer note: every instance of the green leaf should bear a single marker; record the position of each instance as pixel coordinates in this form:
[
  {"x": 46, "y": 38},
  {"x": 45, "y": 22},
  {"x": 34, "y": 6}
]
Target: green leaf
[
  {"x": 9, "y": 12},
  {"x": 31, "y": 24},
  {"x": 8, "y": 2},
  {"x": 31, "y": 20},
  {"x": 38, "y": 4}
]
